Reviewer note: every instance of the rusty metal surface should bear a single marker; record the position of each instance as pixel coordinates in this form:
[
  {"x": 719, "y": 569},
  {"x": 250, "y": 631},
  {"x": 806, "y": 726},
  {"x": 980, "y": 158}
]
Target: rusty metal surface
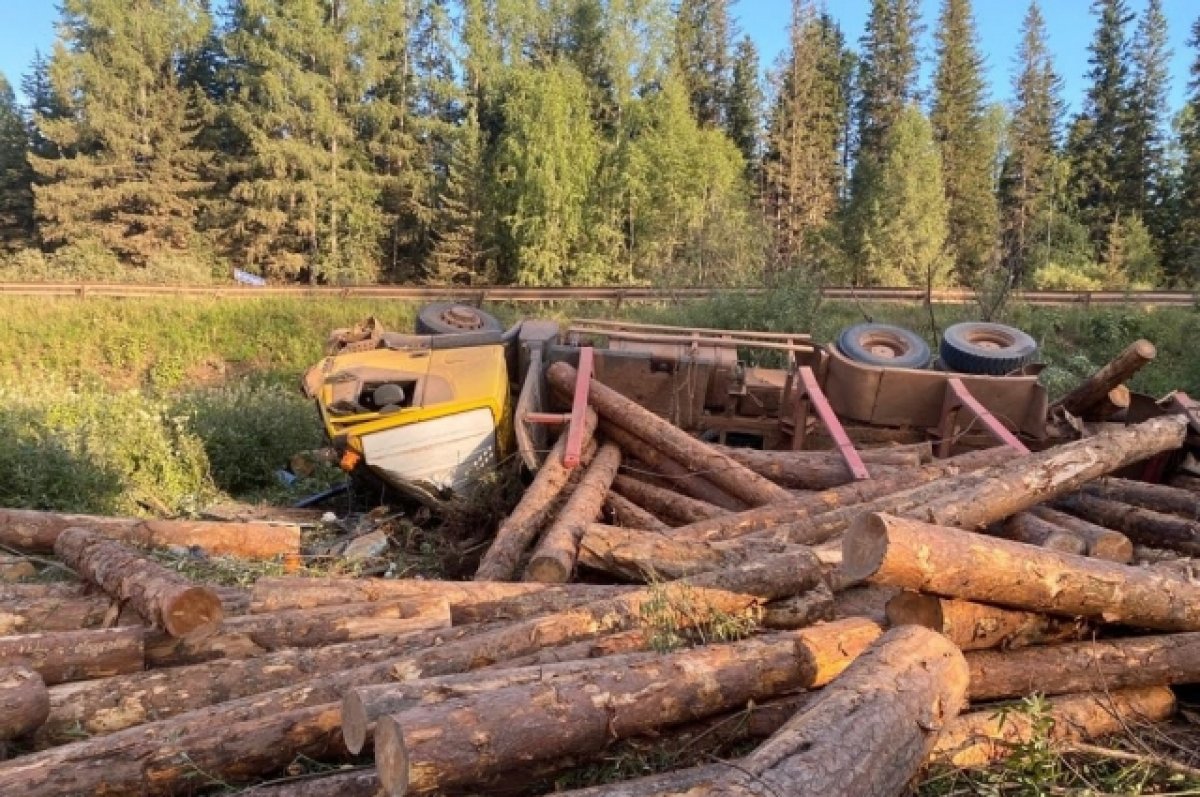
[{"x": 959, "y": 400}]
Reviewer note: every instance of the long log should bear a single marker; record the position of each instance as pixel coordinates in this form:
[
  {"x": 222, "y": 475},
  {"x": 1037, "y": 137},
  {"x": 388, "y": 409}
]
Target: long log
[
  {"x": 1142, "y": 526},
  {"x": 959, "y": 564},
  {"x": 980, "y": 737},
  {"x": 60, "y": 656},
  {"x": 24, "y": 701},
  {"x": 830, "y": 501},
  {"x": 20, "y": 615},
  {"x": 736, "y": 479},
  {"x": 627, "y": 514},
  {"x": 676, "y": 507},
  {"x": 520, "y": 528},
  {"x": 35, "y": 532},
  {"x": 553, "y": 560},
  {"x": 819, "y": 470},
  {"x": 1102, "y": 543},
  {"x": 1117, "y": 371},
  {"x": 978, "y": 626},
  {"x": 641, "y": 556},
  {"x": 863, "y": 735},
  {"x": 467, "y": 740},
  {"x": 682, "y": 479},
  {"x": 1159, "y": 497},
  {"x": 1032, "y": 530},
  {"x": 355, "y": 782},
  {"x": 162, "y": 597},
  {"x": 800, "y": 611},
  {"x": 470, "y": 601},
  {"x": 256, "y": 634}
]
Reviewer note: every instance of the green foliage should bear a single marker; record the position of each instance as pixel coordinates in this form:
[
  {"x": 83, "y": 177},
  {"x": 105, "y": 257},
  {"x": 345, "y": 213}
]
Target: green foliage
[
  {"x": 1185, "y": 241},
  {"x": 887, "y": 76},
  {"x": 702, "y": 33},
  {"x": 677, "y": 615},
  {"x": 16, "y": 193},
  {"x": 743, "y": 109}
]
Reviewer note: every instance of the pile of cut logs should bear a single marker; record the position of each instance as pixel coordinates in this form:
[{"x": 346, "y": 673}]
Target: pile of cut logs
[{"x": 840, "y": 635}]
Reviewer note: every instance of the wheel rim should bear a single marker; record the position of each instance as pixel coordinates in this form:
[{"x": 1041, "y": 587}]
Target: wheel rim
[
  {"x": 460, "y": 317},
  {"x": 883, "y": 346},
  {"x": 990, "y": 340}
]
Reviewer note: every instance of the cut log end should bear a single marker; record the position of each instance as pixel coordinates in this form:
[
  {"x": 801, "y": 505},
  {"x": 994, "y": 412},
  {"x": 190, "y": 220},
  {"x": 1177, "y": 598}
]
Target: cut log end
[
  {"x": 24, "y": 701},
  {"x": 913, "y": 608},
  {"x": 547, "y": 570},
  {"x": 193, "y": 613},
  {"x": 864, "y": 547},
  {"x": 1145, "y": 349},
  {"x": 354, "y": 722},
  {"x": 391, "y": 757}
]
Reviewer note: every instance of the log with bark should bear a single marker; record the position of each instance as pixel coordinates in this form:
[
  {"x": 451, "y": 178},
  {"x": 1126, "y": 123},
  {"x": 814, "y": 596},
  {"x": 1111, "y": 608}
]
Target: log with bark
[
  {"x": 1095, "y": 389},
  {"x": 800, "y": 611},
  {"x": 675, "y": 507},
  {"x": 627, "y": 514},
  {"x": 863, "y": 735},
  {"x": 553, "y": 560},
  {"x": 978, "y": 626},
  {"x": 1142, "y": 526},
  {"x": 1102, "y": 543},
  {"x": 637, "y": 555},
  {"x": 980, "y": 737},
  {"x": 60, "y": 656},
  {"x": 1030, "y": 529},
  {"x": 24, "y": 701},
  {"x": 256, "y": 634},
  {"x": 352, "y": 782},
  {"x": 520, "y": 528},
  {"x": 162, "y": 597},
  {"x": 820, "y": 470},
  {"x": 736, "y": 479},
  {"x": 1098, "y": 665},
  {"x": 36, "y": 532},
  {"x": 677, "y": 476},
  {"x": 25, "y": 615},
  {"x": 466, "y": 740},
  {"x": 1159, "y": 497},
  {"x": 959, "y": 564},
  {"x": 470, "y": 602}
]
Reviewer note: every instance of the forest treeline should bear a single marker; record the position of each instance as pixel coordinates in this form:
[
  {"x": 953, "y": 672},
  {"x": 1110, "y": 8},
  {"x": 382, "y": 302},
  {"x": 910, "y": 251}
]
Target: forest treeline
[{"x": 573, "y": 142}]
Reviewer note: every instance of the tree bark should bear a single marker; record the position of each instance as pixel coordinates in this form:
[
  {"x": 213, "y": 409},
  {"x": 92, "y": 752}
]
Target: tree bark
[
  {"x": 681, "y": 478},
  {"x": 357, "y": 782},
  {"x": 800, "y": 611},
  {"x": 466, "y": 740},
  {"x": 863, "y": 735},
  {"x": 520, "y": 528},
  {"x": 20, "y": 615},
  {"x": 470, "y": 601},
  {"x": 1119, "y": 370},
  {"x": 24, "y": 701},
  {"x": 36, "y": 532},
  {"x": 1098, "y": 665},
  {"x": 641, "y": 556},
  {"x": 981, "y": 737},
  {"x": 1030, "y": 529},
  {"x": 1102, "y": 543},
  {"x": 959, "y": 564},
  {"x": 851, "y": 495},
  {"x": 553, "y": 561},
  {"x": 738, "y": 480},
  {"x": 256, "y": 634},
  {"x": 1158, "y": 497},
  {"x": 1142, "y": 526},
  {"x": 673, "y": 506},
  {"x": 162, "y": 597},
  {"x": 820, "y": 470},
  {"x": 60, "y": 656},
  {"x": 978, "y": 626},
  {"x": 627, "y": 514},
  {"x": 1114, "y": 402},
  {"x": 1185, "y": 481}
]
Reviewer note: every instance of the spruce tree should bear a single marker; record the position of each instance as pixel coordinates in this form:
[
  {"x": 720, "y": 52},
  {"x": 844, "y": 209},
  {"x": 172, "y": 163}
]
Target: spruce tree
[
  {"x": 887, "y": 72},
  {"x": 43, "y": 103},
  {"x": 459, "y": 253},
  {"x": 959, "y": 125},
  {"x": 702, "y": 39},
  {"x": 1097, "y": 146},
  {"x": 1146, "y": 175},
  {"x": 1185, "y": 262},
  {"x": 131, "y": 181},
  {"x": 16, "y": 194},
  {"x": 743, "y": 110},
  {"x": 1027, "y": 181}
]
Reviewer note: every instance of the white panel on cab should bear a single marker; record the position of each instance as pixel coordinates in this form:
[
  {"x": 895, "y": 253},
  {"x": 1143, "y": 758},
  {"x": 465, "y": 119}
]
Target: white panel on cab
[{"x": 447, "y": 452}]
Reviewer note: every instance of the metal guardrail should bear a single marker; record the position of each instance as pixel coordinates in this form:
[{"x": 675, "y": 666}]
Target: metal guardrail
[{"x": 602, "y": 294}]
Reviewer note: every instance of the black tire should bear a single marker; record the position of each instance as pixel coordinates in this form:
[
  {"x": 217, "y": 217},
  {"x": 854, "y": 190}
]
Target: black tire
[
  {"x": 451, "y": 318},
  {"x": 976, "y": 347},
  {"x": 885, "y": 345}
]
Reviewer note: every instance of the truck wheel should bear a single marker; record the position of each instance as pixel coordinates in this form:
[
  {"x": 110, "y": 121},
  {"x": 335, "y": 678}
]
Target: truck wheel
[
  {"x": 884, "y": 344},
  {"x": 450, "y": 318},
  {"x": 976, "y": 347}
]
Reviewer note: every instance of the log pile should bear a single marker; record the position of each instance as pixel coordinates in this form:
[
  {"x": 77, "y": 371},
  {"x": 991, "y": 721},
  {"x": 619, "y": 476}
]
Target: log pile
[{"x": 665, "y": 591}]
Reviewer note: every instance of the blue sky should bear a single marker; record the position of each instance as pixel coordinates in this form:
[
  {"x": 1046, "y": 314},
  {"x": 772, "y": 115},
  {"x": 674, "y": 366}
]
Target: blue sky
[{"x": 26, "y": 25}]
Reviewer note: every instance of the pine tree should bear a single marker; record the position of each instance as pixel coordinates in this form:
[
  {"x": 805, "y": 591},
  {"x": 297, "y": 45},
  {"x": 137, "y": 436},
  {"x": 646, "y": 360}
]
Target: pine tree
[
  {"x": 1185, "y": 261},
  {"x": 743, "y": 110},
  {"x": 1146, "y": 175},
  {"x": 16, "y": 194},
  {"x": 702, "y": 37},
  {"x": 906, "y": 225},
  {"x": 959, "y": 125},
  {"x": 1098, "y": 140},
  {"x": 803, "y": 168},
  {"x": 131, "y": 181},
  {"x": 1028, "y": 176}
]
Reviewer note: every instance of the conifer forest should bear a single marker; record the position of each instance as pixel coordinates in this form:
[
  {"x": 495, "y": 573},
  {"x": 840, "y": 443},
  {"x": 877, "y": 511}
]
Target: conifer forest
[{"x": 594, "y": 142}]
